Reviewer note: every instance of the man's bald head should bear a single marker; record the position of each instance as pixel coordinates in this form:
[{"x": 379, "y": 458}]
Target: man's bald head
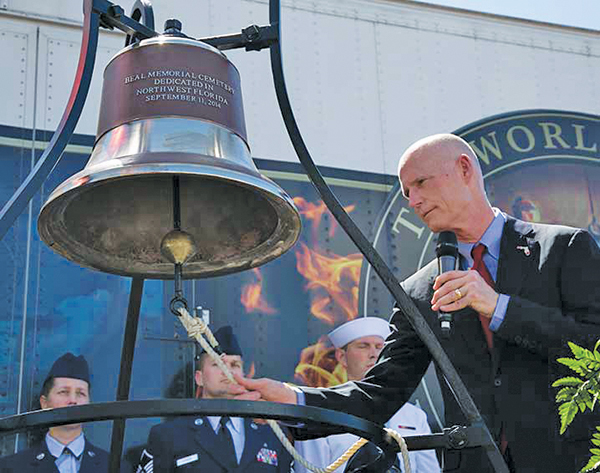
[
  {"x": 440, "y": 150},
  {"x": 443, "y": 182}
]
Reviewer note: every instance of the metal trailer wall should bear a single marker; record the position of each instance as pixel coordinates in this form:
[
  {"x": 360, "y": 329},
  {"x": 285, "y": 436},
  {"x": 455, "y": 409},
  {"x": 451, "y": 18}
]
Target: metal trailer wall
[{"x": 366, "y": 78}]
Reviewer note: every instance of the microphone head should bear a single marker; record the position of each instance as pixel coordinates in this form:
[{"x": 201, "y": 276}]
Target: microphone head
[{"x": 447, "y": 244}]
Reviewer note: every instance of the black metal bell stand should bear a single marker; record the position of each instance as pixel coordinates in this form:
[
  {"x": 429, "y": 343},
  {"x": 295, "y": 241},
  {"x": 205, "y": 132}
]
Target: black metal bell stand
[{"x": 102, "y": 13}]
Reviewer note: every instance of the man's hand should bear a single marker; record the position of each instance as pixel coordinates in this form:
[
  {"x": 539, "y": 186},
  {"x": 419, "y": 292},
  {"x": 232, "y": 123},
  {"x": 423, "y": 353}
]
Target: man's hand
[
  {"x": 474, "y": 292},
  {"x": 263, "y": 389}
]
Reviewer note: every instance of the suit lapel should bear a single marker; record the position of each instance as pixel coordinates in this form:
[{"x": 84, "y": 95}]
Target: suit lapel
[
  {"x": 89, "y": 459},
  {"x": 43, "y": 459},
  {"x": 252, "y": 443},
  {"x": 207, "y": 442},
  {"x": 518, "y": 254}
]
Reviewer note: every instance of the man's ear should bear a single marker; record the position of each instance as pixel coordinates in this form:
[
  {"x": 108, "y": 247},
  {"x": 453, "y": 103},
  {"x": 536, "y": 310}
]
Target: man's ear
[
  {"x": 198, "y": 378},
  {"x": 340, "y": 356},
  {"x": 466, "y": 167},
  {"x": 43, "y": 402}
]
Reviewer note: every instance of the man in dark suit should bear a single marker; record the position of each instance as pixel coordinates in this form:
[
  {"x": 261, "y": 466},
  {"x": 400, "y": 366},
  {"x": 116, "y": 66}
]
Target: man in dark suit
[
  {"x": 64, "y": 448},
  {"x": 523, "y": 290},
  {"x": 215, "y": 444}
]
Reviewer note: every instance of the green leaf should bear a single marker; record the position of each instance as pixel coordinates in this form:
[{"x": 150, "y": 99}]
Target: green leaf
[
  {"x": 567, "y": 381},
  {"x": 592, "y": 464},
  {"x": 574, "y": 348},
  {"x": 566, "y": 394},
  {"x": 597, "y": 350},
  {"x": 578, "y": 366},
  {"x": 589, "y": 405},
  {"x": 567, "y": 413},
  {"x": 596, "y": 442},
  {"x": 581, "y": 353}
]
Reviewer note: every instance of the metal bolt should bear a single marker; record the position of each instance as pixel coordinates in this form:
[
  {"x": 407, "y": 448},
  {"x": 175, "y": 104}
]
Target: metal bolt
[
  {"x": 252, "y": 32},
  {"x": 172, "y": 26}
]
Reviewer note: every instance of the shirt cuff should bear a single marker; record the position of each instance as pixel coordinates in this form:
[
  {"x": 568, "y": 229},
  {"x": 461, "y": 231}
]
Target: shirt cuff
[
  {"x": 300, "y": 401},
  {"x": 499, "y": 312}
]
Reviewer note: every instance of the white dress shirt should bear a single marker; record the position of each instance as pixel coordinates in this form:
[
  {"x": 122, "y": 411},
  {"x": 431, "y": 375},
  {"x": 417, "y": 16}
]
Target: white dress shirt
[{"x": 409, "y": 420}]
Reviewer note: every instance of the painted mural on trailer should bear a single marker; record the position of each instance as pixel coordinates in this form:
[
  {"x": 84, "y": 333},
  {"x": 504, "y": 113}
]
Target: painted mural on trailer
[{"x": 541, "y": 166}]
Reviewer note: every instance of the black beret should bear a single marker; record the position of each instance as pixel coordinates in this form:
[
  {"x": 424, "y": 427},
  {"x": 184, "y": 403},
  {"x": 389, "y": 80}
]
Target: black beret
[{"x": 70, "y": 366}]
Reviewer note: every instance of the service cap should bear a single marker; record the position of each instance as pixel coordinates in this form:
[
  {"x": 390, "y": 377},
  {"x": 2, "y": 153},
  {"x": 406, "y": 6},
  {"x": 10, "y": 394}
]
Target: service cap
[
  {"x": 70, "y": 366},
  {"x": 357, "y": 328}
]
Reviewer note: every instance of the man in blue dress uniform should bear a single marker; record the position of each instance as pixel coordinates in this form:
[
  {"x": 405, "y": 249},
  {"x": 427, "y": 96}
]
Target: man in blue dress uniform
[{"x": 211, "y": 444}]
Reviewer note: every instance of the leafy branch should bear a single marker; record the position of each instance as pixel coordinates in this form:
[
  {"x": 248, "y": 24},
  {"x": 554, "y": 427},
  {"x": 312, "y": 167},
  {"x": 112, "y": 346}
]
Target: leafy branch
[{"x": 580, "y": 393}]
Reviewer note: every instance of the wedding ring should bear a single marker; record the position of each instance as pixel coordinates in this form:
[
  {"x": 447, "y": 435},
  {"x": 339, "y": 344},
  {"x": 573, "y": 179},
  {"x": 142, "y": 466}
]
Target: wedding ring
[{"x": 458, "y": 294}]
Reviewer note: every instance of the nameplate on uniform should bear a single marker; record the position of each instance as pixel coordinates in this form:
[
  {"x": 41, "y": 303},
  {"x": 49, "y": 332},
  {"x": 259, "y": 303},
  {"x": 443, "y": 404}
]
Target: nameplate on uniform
[
  {"x": 186, "y": 460},
  {"x": 268, "y": 456}
]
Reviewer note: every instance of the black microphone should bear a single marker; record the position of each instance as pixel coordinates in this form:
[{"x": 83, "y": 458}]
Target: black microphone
[{"x": 447, "y": 254}]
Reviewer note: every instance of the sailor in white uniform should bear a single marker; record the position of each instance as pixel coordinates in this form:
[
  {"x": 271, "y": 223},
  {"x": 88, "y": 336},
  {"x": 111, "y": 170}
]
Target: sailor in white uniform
[{"x": 358, "y": 344}]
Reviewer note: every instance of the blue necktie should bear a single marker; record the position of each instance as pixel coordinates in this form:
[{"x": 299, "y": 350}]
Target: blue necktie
[{"x": 226, "y": 442}]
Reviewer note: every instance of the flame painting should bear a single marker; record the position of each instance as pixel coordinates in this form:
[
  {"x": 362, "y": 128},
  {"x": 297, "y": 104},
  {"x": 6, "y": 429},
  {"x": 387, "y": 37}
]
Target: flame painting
[
  {"x": 318, "y": 366},
  {"x": 252, "y": 298},
  {"x": 332, "y": 283}
]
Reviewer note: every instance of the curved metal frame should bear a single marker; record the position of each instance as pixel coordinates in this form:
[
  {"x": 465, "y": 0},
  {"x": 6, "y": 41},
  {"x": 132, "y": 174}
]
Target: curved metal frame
[
  {"x": 103, "y": 13},
  {"x": 142, "y": 12},
  {"x": 451, "y": 438},
  {"x": 182, "y": 407}
]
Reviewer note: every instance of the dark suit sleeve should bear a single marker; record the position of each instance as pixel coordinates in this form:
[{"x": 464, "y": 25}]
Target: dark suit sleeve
[
  {"x": 561, "y": 300},
  {"x": 386, "y": 387}
]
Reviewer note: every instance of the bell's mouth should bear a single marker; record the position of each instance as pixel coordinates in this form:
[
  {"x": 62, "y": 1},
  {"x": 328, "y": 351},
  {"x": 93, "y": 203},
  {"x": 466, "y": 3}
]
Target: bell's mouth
[{"x": 114, "y": 220}]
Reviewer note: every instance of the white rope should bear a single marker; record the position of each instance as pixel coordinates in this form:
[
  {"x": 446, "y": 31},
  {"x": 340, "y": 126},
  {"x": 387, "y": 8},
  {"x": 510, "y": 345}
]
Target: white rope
[{"x": 196, "y": 328}]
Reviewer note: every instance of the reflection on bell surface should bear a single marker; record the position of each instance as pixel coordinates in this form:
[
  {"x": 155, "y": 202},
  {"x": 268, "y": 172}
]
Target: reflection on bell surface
[{"x": 171, "y": 106}]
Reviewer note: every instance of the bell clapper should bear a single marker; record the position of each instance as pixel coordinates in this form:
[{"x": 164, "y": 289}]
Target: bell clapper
[{"x": 178, "y": 247}]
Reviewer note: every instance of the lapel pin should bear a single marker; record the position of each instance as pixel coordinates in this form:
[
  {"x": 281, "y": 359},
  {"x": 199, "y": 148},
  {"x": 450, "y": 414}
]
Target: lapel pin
[
  {"x": 254, "y": 426},
  {"x": 524, "y": 249},
  {"x": 40, "y": 456},
  {"x": 198, "y": 422},
  {"x": 91, "y": 454}
]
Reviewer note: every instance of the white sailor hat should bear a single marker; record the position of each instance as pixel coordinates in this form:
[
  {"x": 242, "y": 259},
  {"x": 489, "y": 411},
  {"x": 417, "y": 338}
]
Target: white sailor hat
[{"x": 357, "y": 328}]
